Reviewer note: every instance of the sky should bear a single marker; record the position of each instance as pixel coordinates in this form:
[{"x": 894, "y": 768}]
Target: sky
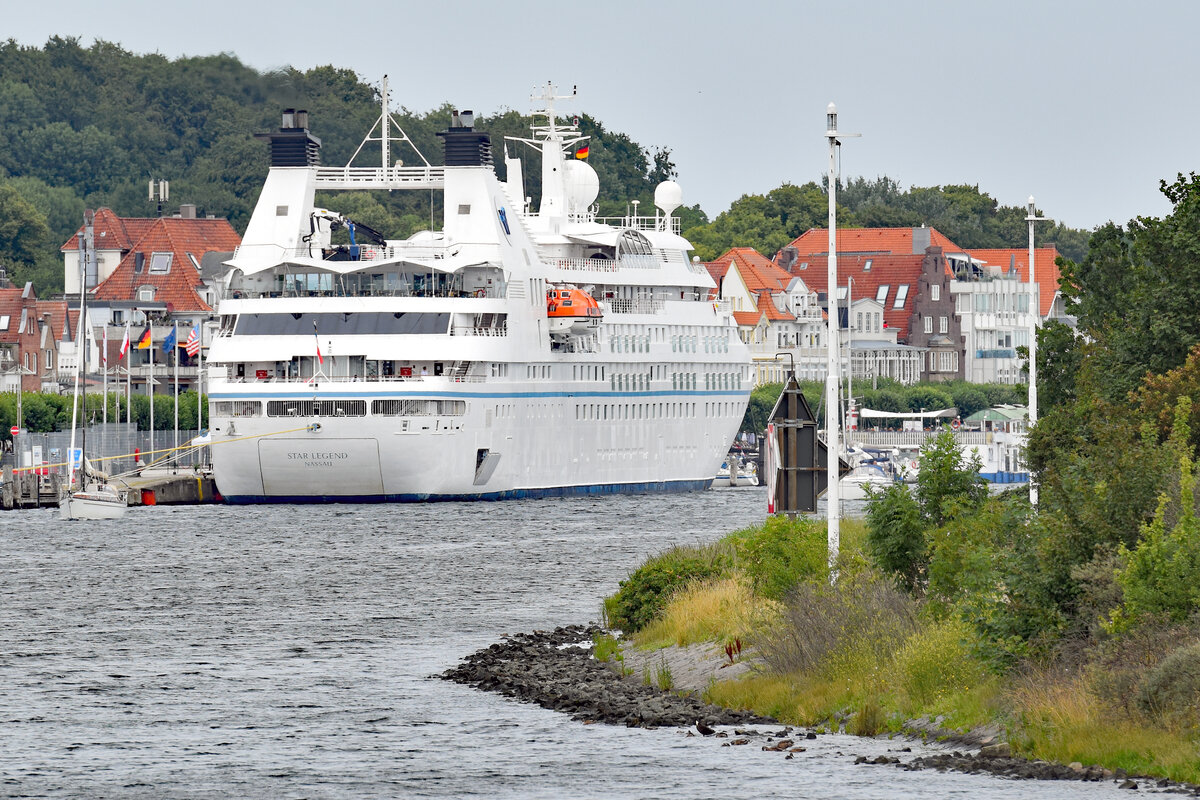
[{"x": 1084, "y": 105}]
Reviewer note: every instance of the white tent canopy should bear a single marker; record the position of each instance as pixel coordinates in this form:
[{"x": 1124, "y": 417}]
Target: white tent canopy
[{"x": 864, "y": 413}]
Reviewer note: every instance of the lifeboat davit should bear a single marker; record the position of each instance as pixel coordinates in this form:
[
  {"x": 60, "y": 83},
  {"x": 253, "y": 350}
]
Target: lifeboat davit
[{"x": 572, "y": 310}]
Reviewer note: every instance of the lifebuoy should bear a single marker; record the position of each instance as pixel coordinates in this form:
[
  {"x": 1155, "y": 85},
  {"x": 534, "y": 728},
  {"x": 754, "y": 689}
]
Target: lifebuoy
[
  {"x": 956, "y": 424},
  {"x": 480, "y": 293}
]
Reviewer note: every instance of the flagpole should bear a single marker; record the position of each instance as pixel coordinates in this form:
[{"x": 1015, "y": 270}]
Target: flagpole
[
  {"x": 175, "y": 356},
  {"x": 104, "y": 361},
  {"x": 150, "y": 390},
  {"x": 128, "y": 381}
]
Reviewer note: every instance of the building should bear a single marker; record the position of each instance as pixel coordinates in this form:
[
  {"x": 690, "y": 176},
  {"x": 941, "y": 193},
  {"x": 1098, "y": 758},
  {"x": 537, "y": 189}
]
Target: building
[
  {"x": 968, "y": 326},
  {"x": 148, "y": 272},
  {"x": 28, "y": 341},
  {"x": 777, "y": 315}
]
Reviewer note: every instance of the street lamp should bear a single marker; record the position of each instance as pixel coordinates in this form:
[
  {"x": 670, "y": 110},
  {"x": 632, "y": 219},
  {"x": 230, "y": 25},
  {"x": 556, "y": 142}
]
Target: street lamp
[
  {"x": 833, "y": 460},
  {"x": 1034, "y": 313}
]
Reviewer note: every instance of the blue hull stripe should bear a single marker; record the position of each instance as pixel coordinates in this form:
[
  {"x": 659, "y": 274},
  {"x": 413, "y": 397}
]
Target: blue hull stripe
[
  {"x": 510, "y": 494},
  {"x": 1005, "y": 477}
]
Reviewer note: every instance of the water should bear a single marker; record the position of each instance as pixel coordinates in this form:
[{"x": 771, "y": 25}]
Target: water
[{"x": 278, "y": 651}]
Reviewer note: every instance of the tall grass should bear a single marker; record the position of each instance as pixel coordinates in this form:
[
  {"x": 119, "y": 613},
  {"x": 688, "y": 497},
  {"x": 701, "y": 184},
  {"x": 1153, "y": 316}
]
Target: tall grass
[
  {"x": 1063, "y": 720},
  {"x": 718, "y": 610}
]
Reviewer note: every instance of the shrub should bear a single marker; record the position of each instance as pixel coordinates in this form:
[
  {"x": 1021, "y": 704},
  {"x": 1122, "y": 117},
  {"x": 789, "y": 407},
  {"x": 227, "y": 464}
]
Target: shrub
[
  {"x": 641, "y": 597},
  {"x": 862, "y": 618},
  {"x": 896, "y": 536},
  {"x": 1171, "y": 691},
  {"x": 936, "y": 662},
  {"x": 778, "y": 554}
]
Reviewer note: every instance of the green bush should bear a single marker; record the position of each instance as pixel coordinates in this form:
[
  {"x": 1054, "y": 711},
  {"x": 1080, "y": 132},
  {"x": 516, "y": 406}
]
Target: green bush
[
  {"x": 780, "y": 553},
  {"x": 642, "y": 596},
  {"x": 1171, "y": 691},
  {"x": 896, "y": 536},
  {"x": 936, "y": 662}
]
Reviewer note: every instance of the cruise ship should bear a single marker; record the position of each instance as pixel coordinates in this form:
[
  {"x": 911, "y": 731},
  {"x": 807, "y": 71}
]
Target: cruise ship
[{"x": 515, "y": 352}]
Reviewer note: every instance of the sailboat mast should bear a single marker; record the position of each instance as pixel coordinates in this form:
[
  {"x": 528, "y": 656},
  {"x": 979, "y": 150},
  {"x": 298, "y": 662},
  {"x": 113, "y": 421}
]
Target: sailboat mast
[{"x": 85, "y": 247}]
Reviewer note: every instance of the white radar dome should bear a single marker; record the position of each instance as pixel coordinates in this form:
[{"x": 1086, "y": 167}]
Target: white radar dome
[
  {"x": 668, "y": 196},
  {"x": 582, "y": 185}
]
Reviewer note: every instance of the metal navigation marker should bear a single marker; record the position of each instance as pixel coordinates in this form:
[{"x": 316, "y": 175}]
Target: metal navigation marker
[{"x": 797, "y": 468}]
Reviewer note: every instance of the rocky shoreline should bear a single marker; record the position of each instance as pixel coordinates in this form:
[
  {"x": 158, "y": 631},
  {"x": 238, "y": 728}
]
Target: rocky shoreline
[{"x": 556, "y": 670}]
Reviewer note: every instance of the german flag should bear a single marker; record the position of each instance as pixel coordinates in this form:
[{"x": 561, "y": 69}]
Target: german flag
[
  {"x": 582, "y": 153},
  {"x": 144, "y": 339}
]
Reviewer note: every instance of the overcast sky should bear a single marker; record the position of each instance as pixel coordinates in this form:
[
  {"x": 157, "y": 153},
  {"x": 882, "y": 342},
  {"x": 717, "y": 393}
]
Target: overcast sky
[{"x": 1085, "y": 105}]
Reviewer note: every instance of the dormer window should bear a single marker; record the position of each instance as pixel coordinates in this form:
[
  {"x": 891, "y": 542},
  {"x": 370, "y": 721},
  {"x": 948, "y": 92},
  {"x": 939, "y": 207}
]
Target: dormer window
[
  {"x": 160, "y": 263},
  {"x": 145, "y": 293}
]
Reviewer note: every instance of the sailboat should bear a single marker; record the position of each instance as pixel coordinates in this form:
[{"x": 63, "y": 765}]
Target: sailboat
[{"x": 88, "y": 495}]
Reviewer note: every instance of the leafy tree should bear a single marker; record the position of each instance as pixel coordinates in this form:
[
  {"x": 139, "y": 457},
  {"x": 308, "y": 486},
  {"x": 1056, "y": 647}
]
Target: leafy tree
[
  {"x": 896, "y": 538},
  {"x": 948, "y": 482}
]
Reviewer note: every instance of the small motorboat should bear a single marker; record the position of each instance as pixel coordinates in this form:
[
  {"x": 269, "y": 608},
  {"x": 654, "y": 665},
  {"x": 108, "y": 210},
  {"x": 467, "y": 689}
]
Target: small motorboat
[
  {"x": 863, "y": 478},
  {"x": 742, "y": 473},
  {"x": 571, "y": 309}
]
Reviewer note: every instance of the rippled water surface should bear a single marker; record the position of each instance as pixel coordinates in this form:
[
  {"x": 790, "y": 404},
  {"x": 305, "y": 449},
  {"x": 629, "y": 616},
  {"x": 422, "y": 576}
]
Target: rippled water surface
[{"x": 285, "y": 651}]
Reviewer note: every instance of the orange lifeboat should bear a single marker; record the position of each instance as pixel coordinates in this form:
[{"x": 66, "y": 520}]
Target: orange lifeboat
[{"x": 572, "y": 309}]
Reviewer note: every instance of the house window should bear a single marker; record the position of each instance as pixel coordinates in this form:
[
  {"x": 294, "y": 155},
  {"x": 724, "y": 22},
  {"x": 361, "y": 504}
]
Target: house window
[
  {"x": 4, "y": 322},
  {"x": 943, "y": 324},
  {"x": 932, "y": 361},
  {"x": 901, "y": 295},
  {"x": 935, "y": 292},
  {"x": 881, "y": 293},
  {"x": 929, "y": 324},
  {"x": 858, "y": 323},
  {"x": 146, "y": 293},
  {"x": 192, "y": 259},
  {"x": 160, "y": 263},
  {"x": 49, "y": 359}
]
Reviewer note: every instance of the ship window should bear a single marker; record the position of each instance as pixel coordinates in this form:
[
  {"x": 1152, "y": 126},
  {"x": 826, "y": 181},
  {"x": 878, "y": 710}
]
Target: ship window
[
  {"x": 281, "y": 211},
  {"x": 237, "y": 408},
  {"x": 464, "y": 208},
  {"x": 334, "y": 324},
  {"x": 316, "y": 408}
]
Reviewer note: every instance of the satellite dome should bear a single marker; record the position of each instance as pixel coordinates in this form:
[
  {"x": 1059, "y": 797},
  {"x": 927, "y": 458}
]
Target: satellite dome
[
  {"x": 668, "y": 196},
  {"x": 582, "y": 185}
]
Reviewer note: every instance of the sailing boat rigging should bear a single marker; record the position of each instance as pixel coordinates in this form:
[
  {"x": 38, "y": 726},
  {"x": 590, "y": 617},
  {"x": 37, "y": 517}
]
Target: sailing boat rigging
[{"x": 87, "y": 496}]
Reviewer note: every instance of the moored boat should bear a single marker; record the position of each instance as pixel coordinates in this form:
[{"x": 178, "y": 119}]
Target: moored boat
[{"x": 434, "y": 367}]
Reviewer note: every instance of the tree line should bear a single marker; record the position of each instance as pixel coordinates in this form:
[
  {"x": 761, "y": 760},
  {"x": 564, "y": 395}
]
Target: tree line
[{"x": 84, "y": 127}]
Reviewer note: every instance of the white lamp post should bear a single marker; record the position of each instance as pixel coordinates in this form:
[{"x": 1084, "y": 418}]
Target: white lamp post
[
  {"x": 1034, "y": 314},
  {"x": 833, "y": 461}
]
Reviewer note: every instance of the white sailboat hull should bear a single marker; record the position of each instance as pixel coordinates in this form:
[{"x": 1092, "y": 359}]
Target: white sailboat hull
[{"x": 89, "y": 505}]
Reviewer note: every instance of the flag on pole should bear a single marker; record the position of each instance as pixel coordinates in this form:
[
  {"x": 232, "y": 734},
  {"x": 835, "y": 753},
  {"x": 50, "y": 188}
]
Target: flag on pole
[
  {"x": 124, "y": 343},
  {"x": 169, "y": 343},
  {"x": 193, "y": 342},
  {"x": 104, "y": 349},
  {"x": 320, "y": 358},
  {"x": 144, "y": 339},
  {"x": 582, "y": 153}
]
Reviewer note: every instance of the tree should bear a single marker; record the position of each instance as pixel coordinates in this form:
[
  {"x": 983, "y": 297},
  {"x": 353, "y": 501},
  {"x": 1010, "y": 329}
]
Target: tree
[
  {"x": 948, "y": 482},
  {"x": 896, "y": 538}
]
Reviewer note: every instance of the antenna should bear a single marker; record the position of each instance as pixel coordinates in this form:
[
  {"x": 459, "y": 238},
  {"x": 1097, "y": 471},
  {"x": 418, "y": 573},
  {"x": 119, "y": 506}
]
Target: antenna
[{"x": 160, "y": 190}]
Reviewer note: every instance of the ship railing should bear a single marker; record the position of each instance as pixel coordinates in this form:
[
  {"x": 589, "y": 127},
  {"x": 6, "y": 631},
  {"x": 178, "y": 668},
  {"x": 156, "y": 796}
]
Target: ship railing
[
  {"x": 643, "y": 223},
  {"x": 231, "y": 377},
  {"x": 495, "y": 291},
  {"x": 473, "y": 330},
  {"x": 638, "y": 306},
  {"x": 627, "y": 261},
  {"x": 381, "y": 177}
]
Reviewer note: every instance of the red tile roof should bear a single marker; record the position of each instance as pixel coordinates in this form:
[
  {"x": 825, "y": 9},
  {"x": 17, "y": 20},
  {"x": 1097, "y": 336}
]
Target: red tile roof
[
  {"x": 10, "y": 306},
  {"x": 180, "y": 237},
  {"x": 893, "y": 270},
  {"x": 894, "y": 241},
  {"x": 758, "y": 271},
  {"x": 748, "y": 319},
  {"x": 1045, "y": 268},
  {"x": 112, "y": 232},
  {"x": 60, "y": 318}
]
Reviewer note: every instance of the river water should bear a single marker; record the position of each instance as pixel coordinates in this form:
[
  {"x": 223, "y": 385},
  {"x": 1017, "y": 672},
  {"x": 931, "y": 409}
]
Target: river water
[{"x": 285, "y": 651}]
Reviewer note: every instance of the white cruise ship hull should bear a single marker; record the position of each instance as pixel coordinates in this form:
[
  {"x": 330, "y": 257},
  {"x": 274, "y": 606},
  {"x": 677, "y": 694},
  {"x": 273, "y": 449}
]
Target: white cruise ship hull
[{"x": 506, "y": 446}]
